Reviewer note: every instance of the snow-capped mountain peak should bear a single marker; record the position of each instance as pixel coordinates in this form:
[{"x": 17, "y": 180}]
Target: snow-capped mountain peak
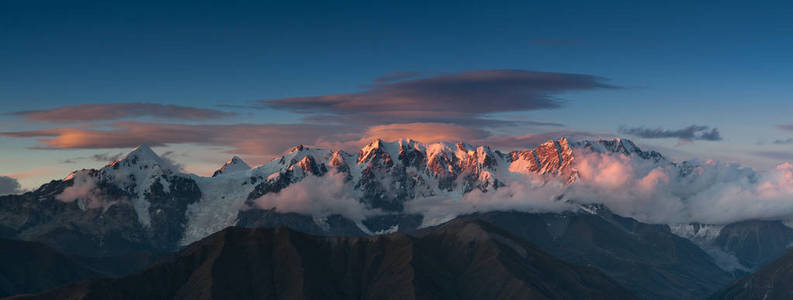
[
  {"x": 235, "y": 164},
  {"x": 142, "y": 152},
  {"x": 142, "y": 157}
]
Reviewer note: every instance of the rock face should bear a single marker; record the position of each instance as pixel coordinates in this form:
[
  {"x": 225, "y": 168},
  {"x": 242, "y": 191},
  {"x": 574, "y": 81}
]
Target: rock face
[
  {"x": 741, "y": 247},
  {"x": 648, "y": 259},
  {"x": 770, "y": 282},
  {"x": 755, "y": 243},
  {"x": 460, "y": 260}
]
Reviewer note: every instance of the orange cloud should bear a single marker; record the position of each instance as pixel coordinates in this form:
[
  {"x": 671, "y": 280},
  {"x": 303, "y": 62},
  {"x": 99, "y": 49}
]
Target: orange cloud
[{"x": 425, "y": 132}]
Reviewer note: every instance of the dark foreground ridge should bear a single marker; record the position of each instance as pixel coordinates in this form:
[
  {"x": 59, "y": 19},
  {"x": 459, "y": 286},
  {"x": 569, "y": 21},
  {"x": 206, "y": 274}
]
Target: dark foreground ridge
[
  {"x": 30, "y": 267},
  {"x": 462, "y": 259}
]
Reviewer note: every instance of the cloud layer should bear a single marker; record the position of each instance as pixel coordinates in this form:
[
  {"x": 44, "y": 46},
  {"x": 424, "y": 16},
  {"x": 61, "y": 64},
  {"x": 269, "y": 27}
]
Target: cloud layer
[
  {"x": 709, "y": 192},
  {"x": 272, "y": 139},
  {"x": 116, "y": 111},
  {"x": 445, "y": 107}
]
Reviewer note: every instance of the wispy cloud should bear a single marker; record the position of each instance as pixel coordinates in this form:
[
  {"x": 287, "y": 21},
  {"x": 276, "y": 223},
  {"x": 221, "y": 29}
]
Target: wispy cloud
[
  {"x": 690, "y": 133},
  {"x": 783, "y": 141},
  {"x": 396, "y": 76},
  {"x": 106, "y": 157},
  {"x": 116, "y": 111}
]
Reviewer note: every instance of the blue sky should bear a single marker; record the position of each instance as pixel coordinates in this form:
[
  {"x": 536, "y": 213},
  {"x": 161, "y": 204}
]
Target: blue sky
[{"x": 725, "y": 65}]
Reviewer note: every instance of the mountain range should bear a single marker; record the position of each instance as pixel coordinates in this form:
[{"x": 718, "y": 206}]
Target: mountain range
[{"x": 117, "y": 220}]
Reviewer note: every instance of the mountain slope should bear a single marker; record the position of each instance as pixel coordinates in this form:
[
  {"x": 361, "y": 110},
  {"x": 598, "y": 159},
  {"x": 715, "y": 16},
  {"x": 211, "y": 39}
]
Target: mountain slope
[
  {"x": 741, "y": 247},
  {"x": 648, "y": 259},
  {"x": 770, "y": 282},
  {"x": 460, "y": 260}
]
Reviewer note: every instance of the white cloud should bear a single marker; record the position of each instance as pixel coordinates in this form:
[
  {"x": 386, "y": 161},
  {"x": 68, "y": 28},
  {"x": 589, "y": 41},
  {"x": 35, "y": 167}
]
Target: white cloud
[
  {"x": 83, "y": 190},
  {"x": 527, "y": 193},
  {"x": 318, "y": 196},
  {"x": 713, "y": 192}
]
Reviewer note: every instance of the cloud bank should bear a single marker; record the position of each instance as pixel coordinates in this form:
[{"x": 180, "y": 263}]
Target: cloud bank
[{"x": 692, "y": 192}]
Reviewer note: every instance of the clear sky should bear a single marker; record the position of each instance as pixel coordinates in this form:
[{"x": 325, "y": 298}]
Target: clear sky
[{"x": 81, "y": 81}]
